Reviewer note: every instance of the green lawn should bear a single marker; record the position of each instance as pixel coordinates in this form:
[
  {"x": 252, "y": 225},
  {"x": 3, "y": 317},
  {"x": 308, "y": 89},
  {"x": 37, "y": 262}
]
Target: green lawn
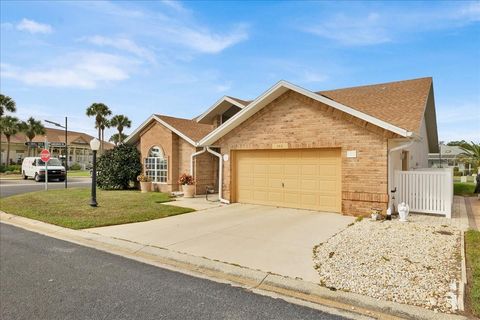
[
  {"x": 70, "y": 208},
  {"x": 472, "y": 248},
  {"x": 78, "y": 173},
  {"x": 463, "y": 188}
]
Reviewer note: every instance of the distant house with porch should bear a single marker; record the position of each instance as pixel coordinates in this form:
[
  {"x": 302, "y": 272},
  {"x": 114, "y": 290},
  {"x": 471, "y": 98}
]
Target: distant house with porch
[
  {"x": 78, "y": 144},
  {"x": 447, "y": 157}
]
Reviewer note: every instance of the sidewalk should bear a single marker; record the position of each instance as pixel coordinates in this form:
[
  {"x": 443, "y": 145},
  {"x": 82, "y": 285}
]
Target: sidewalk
[
  {"x": 343, "y": 303},
  {"x": 473, "y": 212}
]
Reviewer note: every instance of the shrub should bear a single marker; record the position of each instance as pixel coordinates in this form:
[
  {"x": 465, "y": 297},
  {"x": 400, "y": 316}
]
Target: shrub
[
  {"x": 118, "y": 167},
  {"x": 75, "y": 166},
  {"x": 12, "y": 168}
]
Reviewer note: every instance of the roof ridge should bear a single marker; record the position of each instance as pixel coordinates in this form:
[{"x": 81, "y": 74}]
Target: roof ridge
[{"x": 374, "y": 85}]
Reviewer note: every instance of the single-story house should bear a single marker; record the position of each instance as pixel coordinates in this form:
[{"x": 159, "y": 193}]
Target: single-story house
[{"x": 333, "y": 150}]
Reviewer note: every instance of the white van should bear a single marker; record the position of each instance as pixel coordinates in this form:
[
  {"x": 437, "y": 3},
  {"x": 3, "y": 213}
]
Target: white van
[{"x": 34, "y": 167}]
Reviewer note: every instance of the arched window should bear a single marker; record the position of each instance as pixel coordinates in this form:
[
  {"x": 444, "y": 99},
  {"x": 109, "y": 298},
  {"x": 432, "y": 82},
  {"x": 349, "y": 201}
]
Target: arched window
[{"x": 156, "y": 166}]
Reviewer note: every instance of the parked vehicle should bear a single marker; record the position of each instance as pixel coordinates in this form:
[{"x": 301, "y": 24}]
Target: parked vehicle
[{"x": 34, "y": 167}]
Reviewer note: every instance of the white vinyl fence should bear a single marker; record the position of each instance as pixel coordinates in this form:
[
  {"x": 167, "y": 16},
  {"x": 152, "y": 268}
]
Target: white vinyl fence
[{"x": 426, "y": 190}]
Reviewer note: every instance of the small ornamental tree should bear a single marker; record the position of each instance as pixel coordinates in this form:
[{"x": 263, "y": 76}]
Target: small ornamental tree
[{"x": 118, "y": 167}]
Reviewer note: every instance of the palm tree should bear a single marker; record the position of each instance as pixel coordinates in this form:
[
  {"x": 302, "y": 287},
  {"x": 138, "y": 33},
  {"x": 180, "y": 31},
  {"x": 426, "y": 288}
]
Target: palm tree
[
  {"x": 100, "y": 111},
  {"x": 120, "y": 122},
  {"x": 10, "y": 126},
  {"x": 472, "y": 152},
  {"x": 6, "y": 104},
  {"x": 31, "y": 128},
  {"x": 118, "y": 138}
]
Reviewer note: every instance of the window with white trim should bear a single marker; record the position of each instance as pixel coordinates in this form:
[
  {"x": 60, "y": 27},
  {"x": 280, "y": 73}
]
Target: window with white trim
[{"x": 156, "y": 165}]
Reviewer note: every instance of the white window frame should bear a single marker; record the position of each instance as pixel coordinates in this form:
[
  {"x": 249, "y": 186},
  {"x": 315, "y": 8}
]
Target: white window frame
[{"x": 156, "y": 167}]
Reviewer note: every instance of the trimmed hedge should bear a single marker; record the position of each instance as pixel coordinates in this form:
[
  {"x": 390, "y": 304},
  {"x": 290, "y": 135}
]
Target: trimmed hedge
[{"x": 13, "y": 168}]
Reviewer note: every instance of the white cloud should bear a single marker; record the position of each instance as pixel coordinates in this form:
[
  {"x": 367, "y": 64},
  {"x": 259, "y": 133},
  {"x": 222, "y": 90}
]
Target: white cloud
[
  {"x": 175, "y": 5},
  {"x": 84, "y": 70},
  {"x": 123, "y": 44},
  {"x": 33, "y": 26},
  {"x": 177, "y": 26},
  {"x": 310, "y": 76},
  {"x": 223, "y": 87},
  {"x": 204, "y": 40},
  {"x": 366, "y": 30},
  {"x": 371, "y": 28},
  {"x": 470, "y": 11}
]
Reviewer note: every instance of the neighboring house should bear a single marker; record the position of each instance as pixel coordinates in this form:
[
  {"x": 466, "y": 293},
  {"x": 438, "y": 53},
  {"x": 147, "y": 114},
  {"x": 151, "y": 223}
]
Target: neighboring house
[
  {"x": 331, "y": 150},
  {"x": 448, "y": 156},
  {"x": 78, "y": 146}
]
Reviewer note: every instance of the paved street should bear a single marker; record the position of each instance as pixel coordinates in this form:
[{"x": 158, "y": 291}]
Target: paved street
[
  {"x": 46, "y": 278},
  {"x": 12, "y": 187}
]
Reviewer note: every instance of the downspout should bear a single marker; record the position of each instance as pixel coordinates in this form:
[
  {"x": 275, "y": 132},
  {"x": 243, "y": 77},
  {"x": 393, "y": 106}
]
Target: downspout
[
  {"x": 193, "y": 156},
  {"x": 220, "y": 175},
  {"x": 390, "y": 173}
]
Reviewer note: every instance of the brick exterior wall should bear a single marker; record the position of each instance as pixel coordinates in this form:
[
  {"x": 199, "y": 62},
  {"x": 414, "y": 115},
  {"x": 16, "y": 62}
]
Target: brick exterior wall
[
  {"x": 157, "y": 135},
  {"x": 302, "y": 122},
  {"x": 178, "y": 152},
  {"x": 206, "y": 172}
]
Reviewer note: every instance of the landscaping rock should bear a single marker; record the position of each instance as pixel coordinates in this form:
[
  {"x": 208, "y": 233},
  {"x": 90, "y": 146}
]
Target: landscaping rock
[{"x": 415, "y": 263}]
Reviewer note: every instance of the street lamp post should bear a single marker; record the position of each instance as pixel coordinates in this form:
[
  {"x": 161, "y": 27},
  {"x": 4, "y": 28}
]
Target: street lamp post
[
  {"x": 66, "y": 146},
  {"x": 94, "y": 145}
]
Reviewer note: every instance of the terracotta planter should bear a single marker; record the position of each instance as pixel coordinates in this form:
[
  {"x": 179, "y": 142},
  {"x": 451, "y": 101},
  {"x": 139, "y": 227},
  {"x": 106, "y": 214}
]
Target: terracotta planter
[
  {"x": 188, "y": 190},
  {"x": 145, "y": 186}
]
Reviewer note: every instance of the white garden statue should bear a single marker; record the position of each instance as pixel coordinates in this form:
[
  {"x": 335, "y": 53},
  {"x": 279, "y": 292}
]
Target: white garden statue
[{"x": 403, "y": 210}]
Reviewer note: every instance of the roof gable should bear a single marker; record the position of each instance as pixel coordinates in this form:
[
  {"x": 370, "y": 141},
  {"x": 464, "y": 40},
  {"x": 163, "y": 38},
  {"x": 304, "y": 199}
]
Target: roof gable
[
  {"x": 279, "y": 89},
  {"x": 401, "y": 103},
  {"x": 219, "y": 107},
  {"x": 189, "y": 130}
]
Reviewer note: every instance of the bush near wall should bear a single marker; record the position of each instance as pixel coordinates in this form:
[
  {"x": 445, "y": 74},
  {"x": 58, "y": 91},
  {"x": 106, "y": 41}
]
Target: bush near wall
[
  {"x": 13, "y": 168},
  {"x": 75, "y": 166},
  {"x": 119, "y": 167}
]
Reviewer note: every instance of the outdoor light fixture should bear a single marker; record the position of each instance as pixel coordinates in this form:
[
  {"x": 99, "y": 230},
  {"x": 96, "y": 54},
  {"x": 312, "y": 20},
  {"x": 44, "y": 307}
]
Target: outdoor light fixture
[
  {"x": 66, "y": 146},
  {"x": 94, "y": 145}
]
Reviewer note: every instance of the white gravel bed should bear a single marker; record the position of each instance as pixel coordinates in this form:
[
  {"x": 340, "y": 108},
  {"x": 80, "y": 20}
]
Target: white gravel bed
[{"x": 417, "y": 262}]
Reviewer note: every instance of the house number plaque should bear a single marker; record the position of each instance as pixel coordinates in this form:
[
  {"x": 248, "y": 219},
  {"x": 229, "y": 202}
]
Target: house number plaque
[{"x": 283, "y": 145}]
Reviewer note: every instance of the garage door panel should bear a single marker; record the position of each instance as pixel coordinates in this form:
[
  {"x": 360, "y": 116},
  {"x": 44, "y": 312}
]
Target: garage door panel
[
  {"x": 309, "y": 184},
  {"x": 245, "y": 181},
  {"x": 260, "y": 181},
  {"x": 275, "y": 169},
  {"x": 260, "y": 168},
  {"x": 292, "y": 198},
  {"x": 275, "y": 196},
  {"x": 300, "y": 178},
  {"x": 275, "y": 183},
  {"x": 291, "y": 169},
  {"x": 308, "y": 200}
]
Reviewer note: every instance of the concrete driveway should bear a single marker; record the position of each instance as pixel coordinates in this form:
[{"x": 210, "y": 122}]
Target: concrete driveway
[{"x": 277, "y": 240}]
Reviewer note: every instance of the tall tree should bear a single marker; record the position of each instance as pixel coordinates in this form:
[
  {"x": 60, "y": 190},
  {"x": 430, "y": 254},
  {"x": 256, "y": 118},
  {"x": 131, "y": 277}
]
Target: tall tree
[
  {"x": 117, "y": 138},
  {"x": 100, "y": 111},
  {"x": 120, "y": 122},
  {"x": 6, "y": 104},
  {"x": 32, "y": 128},
  {"x": 472, "y": 153},
  {"x": 10, "y": 126}
]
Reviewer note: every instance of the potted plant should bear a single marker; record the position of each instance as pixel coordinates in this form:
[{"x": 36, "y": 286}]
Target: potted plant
[
  {"x": 145, "y": 183},
  {"x": 188, "y": 185}
]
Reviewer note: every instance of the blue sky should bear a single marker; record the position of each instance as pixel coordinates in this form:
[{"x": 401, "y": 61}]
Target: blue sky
[{"x": 178, "y": 58}]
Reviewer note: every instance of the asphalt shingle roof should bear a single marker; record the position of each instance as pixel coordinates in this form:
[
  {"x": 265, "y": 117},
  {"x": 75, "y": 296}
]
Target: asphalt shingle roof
[{"x": 192, "y": 129}]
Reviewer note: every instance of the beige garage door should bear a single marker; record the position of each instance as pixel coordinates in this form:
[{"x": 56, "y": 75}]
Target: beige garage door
[{"x": 299, "y": 178}]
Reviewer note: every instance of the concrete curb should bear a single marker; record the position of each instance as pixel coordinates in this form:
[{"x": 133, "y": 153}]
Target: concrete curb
[{"x": 346, "y": 304}]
